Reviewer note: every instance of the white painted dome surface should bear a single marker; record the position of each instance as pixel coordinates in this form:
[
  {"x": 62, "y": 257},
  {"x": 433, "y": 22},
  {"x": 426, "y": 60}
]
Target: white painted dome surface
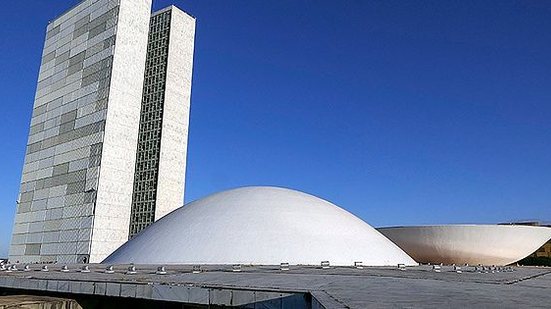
[
  {"x": 262, "y": 226},
  {"x": 471, "y": 244}
]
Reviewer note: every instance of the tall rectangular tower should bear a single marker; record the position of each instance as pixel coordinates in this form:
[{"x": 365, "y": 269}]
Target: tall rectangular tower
[
  {"x": 76, "y": 187},
  {"x": 162, "y": 142}
]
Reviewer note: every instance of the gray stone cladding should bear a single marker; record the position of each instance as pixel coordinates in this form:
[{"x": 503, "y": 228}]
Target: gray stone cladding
[{"x": 65, "y": 152}]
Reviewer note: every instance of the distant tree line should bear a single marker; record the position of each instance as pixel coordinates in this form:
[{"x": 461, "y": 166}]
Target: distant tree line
[{"x": 536, "y": 261}]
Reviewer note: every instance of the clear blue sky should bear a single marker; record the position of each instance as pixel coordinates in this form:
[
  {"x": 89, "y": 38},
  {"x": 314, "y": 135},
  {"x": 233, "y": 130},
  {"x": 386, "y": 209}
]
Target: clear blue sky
[{"x": 402, "y": 112}]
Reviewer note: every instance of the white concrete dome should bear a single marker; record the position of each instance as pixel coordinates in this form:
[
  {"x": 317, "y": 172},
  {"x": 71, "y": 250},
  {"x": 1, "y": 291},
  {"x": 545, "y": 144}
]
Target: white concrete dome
[{"x": 261, "y": 226}]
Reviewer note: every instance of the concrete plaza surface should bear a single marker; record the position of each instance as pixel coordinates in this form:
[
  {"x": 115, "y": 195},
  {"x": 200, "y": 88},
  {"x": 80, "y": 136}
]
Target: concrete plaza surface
[{"x": 300, "y": 286}]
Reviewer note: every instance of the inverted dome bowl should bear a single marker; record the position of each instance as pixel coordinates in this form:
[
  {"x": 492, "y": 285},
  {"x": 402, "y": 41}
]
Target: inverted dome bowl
[
  {"x": 470, "y": 244},
  {"x": 262, "y": 226}
]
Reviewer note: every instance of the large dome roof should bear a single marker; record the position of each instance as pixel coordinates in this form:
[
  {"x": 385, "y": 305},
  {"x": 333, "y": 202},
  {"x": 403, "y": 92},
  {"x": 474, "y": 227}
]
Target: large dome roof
[{"x": 263, "y": 226}]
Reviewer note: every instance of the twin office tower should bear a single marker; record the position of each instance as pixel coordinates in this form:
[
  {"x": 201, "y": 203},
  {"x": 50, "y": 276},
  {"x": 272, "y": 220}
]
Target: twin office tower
[{"x": 106, "y": 153}]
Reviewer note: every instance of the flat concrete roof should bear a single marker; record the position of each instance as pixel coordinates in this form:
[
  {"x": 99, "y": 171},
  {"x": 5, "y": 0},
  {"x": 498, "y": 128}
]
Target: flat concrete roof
[{"x": 336, "y": 287}]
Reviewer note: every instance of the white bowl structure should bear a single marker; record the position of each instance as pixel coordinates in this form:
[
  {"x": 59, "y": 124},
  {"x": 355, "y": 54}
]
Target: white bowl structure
[
  {"x": 468, "y": 244},
  {"x": 260, "y": 226}
]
